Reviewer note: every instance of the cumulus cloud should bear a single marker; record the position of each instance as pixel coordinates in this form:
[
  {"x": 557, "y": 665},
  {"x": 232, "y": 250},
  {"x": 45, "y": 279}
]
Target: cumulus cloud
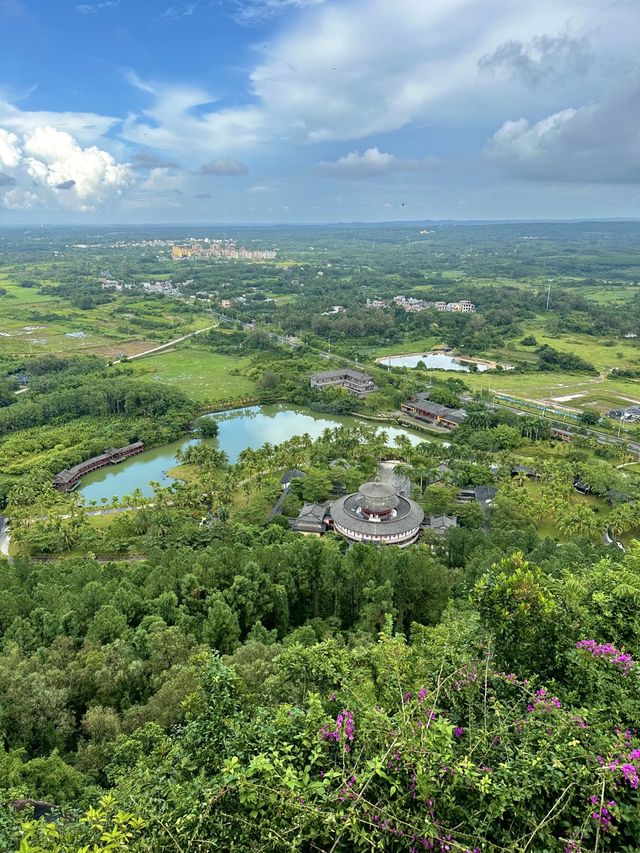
[
  {"x": 224, "y": 166},
  {"x": 19, "y": 199},
  {"x": 54, "y": 160},
  {"x": 9, "y": 149},
  {"x": 344, "y": 71},
  {"x": 596, "y": 142},
  {"x": 542, "y": 59},
  {"x": 347, "y": 71},
  {"x": 371, "y": 163},
  {"x": 145, "y": 161}
]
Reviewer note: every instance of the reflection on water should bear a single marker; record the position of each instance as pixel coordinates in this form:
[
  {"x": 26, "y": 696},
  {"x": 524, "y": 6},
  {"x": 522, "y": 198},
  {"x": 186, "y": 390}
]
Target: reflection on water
[
  {"x": 433, "y": 360},
  {"x": 239, "y": 429}
]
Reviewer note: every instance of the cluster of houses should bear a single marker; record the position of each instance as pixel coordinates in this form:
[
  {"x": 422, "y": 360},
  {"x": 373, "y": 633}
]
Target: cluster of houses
[
  {"x": 165, "y": 288},
  {"x": 412, "y": 305},
  {"x": 240, "y": 300}
]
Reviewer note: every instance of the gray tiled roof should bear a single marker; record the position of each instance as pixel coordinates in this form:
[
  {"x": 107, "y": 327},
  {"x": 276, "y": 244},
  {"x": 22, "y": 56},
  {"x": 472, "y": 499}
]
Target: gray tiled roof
[
  {"x": 344, "y": 512},
  {"x": 358, "y": 375}
]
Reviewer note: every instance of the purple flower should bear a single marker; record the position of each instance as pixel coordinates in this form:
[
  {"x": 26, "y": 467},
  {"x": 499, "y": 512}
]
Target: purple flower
[
  {"x": 544, "y": 703},
  {"x": 458, "y": 731},
  {"x": 620, "y": 660},
  {"x": 345, "y": 730},
  {"x": 630, "y": 775}
]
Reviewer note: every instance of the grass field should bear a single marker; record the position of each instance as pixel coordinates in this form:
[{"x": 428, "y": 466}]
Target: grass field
[
  {"x": 607, "y": 295},
  {"x": 32, "y": 323},
  {"x": 602, "y": 354},
  {"x": 200, "y": 373},
  {"x": 22, "y": 296}
]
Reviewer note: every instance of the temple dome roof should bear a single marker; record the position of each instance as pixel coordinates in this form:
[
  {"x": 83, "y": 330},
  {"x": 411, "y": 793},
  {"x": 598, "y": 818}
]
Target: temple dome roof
[{"x": 377, "y": 497}]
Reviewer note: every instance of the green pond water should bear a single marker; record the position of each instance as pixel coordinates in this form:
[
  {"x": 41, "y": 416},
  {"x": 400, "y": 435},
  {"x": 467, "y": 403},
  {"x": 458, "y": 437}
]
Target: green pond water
[{"x": 250, "y": 427}]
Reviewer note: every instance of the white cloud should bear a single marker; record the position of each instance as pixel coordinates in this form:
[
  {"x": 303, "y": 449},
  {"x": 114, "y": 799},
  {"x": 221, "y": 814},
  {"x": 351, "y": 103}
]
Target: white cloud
[
  {"x": 145, "y": 161},
  {"x": 543, "y": 59},
  {"x": 257, "y": 11},
  {"x": 19, "y": 199},
  {"x": 346, "y": 71},
  {"x": 224, "y": 166},
  {"x": 171, "y": 121},
  {"x": 60, "y": 169},
  {"x": 371, "y": 163},
  {"x": 179, "y": 10},
  {"x": 84, "y": 127},
  {"x": 9, "y": 149},
  {"x": 95, "y": 172},
  {"x": 92, "y": 8},
  {"x": 595, "y": 142}
]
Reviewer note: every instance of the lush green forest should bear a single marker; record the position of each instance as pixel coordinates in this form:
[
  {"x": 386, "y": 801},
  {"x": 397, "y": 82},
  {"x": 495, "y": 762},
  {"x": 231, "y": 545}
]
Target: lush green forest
[{"x": 184, "y": 672}]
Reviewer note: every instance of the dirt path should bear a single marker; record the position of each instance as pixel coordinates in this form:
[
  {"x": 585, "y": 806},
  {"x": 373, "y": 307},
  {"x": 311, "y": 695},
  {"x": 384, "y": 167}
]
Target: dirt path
[{"x": 162, "y": 347}]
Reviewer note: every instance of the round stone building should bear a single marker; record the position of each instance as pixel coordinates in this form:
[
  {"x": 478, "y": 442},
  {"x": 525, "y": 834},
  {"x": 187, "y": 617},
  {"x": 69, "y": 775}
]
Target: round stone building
[{"x": 377, "y": 514}]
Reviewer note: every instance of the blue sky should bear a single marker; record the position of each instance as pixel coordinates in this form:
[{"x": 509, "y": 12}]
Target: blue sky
[{"x": 318, "y": 110}]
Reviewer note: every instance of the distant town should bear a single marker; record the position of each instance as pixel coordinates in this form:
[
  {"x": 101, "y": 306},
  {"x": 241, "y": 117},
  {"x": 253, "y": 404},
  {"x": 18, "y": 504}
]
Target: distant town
[{"x": 226, "y": 249}]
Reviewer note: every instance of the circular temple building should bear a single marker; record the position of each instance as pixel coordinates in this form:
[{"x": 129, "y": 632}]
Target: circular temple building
[{"x": 378, "y": 515}]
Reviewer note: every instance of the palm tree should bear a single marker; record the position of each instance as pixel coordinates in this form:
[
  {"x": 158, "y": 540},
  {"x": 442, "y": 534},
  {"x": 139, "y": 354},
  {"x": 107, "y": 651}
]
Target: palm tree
[
  {"x": 579, "y": 521},
  {"x": 478, "y": 418},
  {"x": 621, "y": 519}
]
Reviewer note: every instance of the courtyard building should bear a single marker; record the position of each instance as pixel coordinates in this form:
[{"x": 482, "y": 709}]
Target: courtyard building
[{"x": 378, "y": 515}]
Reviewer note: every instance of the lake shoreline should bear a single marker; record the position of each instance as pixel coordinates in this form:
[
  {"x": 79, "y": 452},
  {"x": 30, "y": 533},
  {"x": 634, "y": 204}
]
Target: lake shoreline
[
  {"x": 260, "y": 424},
  {"x": 387, "y": 360}
]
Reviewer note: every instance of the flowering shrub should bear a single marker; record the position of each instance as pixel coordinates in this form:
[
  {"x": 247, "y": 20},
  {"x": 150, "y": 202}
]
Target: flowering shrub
[
  {"x": 344, "y": 730},
  {"x": 543, "y": 702},
  {"x": 620, "y": 660},
  {"x": 421, "y": 757}
]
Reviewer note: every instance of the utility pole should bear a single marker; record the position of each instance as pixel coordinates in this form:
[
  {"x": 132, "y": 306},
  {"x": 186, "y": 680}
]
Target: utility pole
[{"x": 549, "y": 294}]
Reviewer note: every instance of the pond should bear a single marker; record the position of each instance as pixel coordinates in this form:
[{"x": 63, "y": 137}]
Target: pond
[
  {"x": 434, "y": 361},
  {"x": 239, "y": 429}
]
